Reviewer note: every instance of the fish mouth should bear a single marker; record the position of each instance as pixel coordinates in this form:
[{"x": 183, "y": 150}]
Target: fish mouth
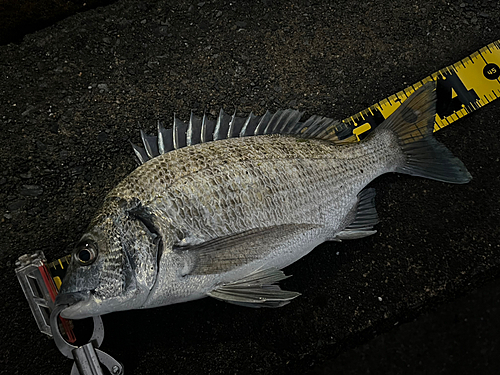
[
  {"x": 69, "y": 298},
  {"x": 72, "y": 303}
]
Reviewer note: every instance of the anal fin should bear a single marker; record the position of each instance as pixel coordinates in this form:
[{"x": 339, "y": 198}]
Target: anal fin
[
  {"x": 364, "y": 220},
  {"x": 256, "y": 290}
]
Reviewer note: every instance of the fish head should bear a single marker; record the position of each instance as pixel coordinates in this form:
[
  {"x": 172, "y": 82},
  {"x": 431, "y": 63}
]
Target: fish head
[{"x": 113, "y": 267}]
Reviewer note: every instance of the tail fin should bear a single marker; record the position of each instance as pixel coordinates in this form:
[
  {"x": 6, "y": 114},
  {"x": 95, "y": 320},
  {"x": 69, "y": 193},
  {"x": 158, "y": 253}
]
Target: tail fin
[{"x": 413, "y": 123}]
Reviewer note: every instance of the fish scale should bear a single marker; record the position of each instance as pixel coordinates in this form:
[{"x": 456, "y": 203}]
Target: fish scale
[{"x": 271, "y": 166}]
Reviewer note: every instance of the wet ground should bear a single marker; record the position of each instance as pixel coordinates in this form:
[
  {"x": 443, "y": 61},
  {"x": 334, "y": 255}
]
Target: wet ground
[{"x": 75, "y": 93}]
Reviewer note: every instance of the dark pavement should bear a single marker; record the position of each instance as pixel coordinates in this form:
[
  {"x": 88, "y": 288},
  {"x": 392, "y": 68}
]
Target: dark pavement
[{"x": 419, "y": 297}]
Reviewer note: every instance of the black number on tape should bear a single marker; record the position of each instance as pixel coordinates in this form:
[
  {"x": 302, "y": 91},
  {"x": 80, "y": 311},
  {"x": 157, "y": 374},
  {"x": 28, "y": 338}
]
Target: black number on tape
[{"x": 491, "y": 71}]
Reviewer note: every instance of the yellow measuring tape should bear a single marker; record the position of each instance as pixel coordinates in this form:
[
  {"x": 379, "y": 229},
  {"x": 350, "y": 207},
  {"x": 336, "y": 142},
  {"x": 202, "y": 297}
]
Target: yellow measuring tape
[
  {"x": 57, "y": 270},
  {"x": 461, "y": 88}
]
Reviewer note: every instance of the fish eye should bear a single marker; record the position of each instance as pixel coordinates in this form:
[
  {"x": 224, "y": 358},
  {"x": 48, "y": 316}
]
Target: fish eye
[{"x": 85, "y": 253}]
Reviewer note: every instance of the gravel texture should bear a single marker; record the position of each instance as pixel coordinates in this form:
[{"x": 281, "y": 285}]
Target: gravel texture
[
  {"x": 21, "y": 17},
  {"x": 75, "y": 93}
]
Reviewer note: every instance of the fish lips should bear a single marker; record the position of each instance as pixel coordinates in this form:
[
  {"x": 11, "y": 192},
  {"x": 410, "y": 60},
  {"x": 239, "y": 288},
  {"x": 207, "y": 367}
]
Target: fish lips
[
  {"x": 74, "y": 301},
  {"x": 69, "y": 298}
]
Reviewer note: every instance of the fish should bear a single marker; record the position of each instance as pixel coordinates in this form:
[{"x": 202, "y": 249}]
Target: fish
[{"x": 219, "y": 208}]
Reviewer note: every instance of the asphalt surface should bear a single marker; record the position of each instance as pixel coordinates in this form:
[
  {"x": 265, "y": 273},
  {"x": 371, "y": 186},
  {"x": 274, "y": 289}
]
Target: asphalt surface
[{"x": 420, "y": 296}]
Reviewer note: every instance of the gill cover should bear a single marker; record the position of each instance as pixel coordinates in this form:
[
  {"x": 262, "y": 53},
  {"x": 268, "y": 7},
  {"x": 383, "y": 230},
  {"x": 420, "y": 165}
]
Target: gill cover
[{"x": 114, "y": 265}]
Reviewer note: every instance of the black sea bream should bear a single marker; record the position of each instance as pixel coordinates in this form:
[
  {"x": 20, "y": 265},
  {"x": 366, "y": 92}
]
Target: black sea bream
[{"x": 223, "y": 215}]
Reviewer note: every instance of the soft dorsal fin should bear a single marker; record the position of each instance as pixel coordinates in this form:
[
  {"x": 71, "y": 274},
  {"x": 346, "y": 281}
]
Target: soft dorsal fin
[{"x": 201, "y": 130}]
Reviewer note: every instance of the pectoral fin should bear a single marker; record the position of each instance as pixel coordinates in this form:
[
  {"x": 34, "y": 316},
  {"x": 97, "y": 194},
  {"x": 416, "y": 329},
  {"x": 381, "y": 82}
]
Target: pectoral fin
[
  {"x": 224, "y": 254},
  {"x": 256, "y": 290}
]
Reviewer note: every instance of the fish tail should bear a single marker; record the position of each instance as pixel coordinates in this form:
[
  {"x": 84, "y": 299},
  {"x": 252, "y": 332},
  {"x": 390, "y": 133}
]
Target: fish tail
[{"x": 413, "y": 124}]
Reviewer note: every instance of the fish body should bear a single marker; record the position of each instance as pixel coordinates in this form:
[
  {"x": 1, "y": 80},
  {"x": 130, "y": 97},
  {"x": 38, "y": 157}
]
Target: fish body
[
  {"x": 221, "y": 218},
  {"x": 272, "y": 183}
]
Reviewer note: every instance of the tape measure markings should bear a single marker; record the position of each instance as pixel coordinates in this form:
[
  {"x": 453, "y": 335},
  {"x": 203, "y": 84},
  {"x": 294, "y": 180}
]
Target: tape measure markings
[{"x": 462, "y": 88}]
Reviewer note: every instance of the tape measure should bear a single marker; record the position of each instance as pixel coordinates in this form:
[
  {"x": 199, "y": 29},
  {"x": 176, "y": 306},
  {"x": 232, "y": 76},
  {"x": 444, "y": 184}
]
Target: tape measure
[
  {"x": 57, "y": 269},
  {"x": 461, "y": 88}
]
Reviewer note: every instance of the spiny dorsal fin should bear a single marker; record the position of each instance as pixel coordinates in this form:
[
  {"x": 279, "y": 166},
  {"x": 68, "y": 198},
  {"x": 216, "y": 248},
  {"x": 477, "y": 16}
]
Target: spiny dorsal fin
[
  {"x": 165, "y": 142},
  {"x": 193, "y": 135},
  {"x": 201, "y": 130},
  {"x": 179, "y": 133},
  {"x": 150, "y": 144}
]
